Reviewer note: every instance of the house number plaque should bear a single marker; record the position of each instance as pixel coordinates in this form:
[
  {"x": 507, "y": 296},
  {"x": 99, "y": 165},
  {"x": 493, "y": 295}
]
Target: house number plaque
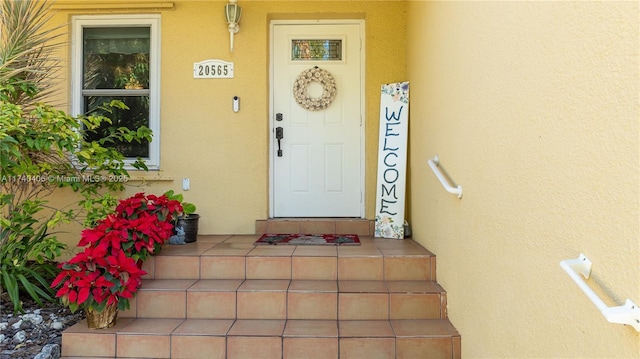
[{"x": 213, "y": 69}]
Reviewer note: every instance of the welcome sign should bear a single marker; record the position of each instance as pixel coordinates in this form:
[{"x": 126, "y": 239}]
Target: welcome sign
[{"x": 392, "y": 160}]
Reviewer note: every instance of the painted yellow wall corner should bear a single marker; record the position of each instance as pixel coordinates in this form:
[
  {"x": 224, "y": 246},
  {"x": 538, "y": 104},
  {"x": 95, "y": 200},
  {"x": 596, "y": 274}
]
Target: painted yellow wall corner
[{"x": 533, "y": 108}]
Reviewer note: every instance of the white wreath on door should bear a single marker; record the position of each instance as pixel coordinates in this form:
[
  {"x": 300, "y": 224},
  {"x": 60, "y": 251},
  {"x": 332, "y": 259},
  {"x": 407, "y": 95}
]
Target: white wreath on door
[{"x": 301, "y": 89}]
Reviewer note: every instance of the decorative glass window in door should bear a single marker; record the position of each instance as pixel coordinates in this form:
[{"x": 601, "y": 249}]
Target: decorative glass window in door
[{"x": 316, "y": 50}]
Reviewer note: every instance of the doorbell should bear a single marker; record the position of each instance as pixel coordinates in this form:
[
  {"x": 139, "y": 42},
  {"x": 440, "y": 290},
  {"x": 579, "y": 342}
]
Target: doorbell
[{"x": 236, "y": 103}]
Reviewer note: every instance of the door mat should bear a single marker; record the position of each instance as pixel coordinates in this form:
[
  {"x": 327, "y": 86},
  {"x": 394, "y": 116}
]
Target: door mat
[{"x": 311, "y": 239}]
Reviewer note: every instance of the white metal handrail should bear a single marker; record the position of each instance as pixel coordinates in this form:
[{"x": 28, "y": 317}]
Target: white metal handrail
[
  {"x": 433, "y": 163},
  {"x": 628, "y": 313}
]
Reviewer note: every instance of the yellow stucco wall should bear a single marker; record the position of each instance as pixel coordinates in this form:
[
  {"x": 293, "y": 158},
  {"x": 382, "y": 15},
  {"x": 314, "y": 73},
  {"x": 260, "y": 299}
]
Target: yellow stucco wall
[
  {"x": 225, "y": 154},
  {"x": 533, "y": 108}
]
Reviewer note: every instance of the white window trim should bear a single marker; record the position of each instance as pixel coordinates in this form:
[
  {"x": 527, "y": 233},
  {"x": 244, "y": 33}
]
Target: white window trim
[{"x": 153, "y": 21}]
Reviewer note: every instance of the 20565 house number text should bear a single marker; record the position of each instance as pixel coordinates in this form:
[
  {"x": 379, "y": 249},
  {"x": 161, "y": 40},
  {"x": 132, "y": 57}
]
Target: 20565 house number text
[{"x": 213, "y": 69}]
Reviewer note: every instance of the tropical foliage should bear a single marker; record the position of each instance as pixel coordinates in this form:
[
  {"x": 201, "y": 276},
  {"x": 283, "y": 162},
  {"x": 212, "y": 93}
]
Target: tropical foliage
[
  {"x": 42, "y": 150},
  {"x": 108, "y": 270}
]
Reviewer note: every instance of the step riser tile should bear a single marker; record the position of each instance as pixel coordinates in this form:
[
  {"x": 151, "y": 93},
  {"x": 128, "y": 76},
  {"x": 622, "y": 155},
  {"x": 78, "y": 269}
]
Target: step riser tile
[
  {"x": 360, "y": 268},
  {"x": 211, "y": 305},
  {"x": 309, "y": 348},
  {"x": 143, "y": 346},
  {"x": 198, "y": 347},
  {"x": 161, "y": 304},
  {"x": 304, "y": 305},
  {"x": 438, "y": 348},
  {"x": 363, "y": 306},
  {"x": 262, "y": 305},
  {"x": 314, "y": 268},
  {"x": 88, "y": 345},
  {"x": 414, "y": 306},
  {"x": 407, "y": 268},
  {"x": 268, "y": 267},
  {"x": 370, "y": 348},
  {"x": 241, "y": 347},
  {"x": 177, "y": 267},
  {"x": 222, "y": 267}
]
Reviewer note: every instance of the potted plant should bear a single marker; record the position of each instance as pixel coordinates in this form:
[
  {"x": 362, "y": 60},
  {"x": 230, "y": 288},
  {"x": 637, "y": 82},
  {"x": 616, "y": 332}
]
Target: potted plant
[
  {"x": 186, "y": 224},
  {"x": 140, "y": 226},
  {"x": 108, "y": 273},
  {"x": 100, "y": 283}
]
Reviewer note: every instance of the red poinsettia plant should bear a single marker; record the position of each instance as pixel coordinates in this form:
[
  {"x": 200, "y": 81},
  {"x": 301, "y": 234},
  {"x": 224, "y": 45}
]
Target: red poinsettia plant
[
  {"x": 94, "y": 279},
  {"x": 108, "y": 271},
  {"x": 140, "y": 226}
]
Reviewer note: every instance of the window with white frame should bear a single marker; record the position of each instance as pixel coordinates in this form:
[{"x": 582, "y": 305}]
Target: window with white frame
[{"x": 116, "y": 57}]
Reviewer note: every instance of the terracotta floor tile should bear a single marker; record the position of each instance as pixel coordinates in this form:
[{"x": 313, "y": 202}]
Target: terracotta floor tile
[
  {"x": 161, "y": 304},
  {"x": 229, "y": 249},
  {"x": 218, "y": 327},
  {"x": 312, "y": 305},
  {"x": 211, "y": 305},
  {"x": 257, "y": 328},
  {"x": 246, "y": 347},
  {"x": 188, "y": 249},
  {"x": 264, "y": 285},
  {"x": 215, "y": 238},
  {"x": 365, "y": 329},
  {"x": 283, "y": 227},
  {"x": 268, "y": 267},
  {"x": 318, "y": 227},
  {"x": 359, "y": 227},
  {"x": 413, "y": 286},
  {"x": 362, "y": 286},
  {"x": 314, "y": 268},
  {"x": 311, "y": 328},
  {"x": 407, "y": 268},
  {"x": 414, "y": 306},
  {"x": 313, "y": 286},
  {"x": 309, "y": 348},
  {"x": 369, "y": 348},
  {"x": 215, "y": 285},
  {"x": 421, "y": 328},
  {"x": 360, "y": 268},
  {"x": 168, "y": 284},
  {"x": 177, "y": 267},
  {"x": 143, "y": 346},
  {"x": 271, "y": 250},
  {"x": 262, "y": 305},
  {"x": 144, "y": 338},
  {"x": 79, "y": 340},
  {"x": 428, "y": 348},
  {"x": 151, "y": 326},
  {"x": 222, "y": 267},
  {"x": 198, "y": 347},
  {"x": 262, "y": 299},
  {"x": 316, "y": 251},
  {"x": 242, "y": 239}
]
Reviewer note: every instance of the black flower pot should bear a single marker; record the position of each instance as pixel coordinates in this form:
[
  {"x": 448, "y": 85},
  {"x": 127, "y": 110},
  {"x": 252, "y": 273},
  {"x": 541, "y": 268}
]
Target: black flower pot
[{"x": 188, "y": 226}]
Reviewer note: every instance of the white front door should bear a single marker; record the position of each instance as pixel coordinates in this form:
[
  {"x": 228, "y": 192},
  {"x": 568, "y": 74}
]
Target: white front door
[{"x": 317, "y": 166}]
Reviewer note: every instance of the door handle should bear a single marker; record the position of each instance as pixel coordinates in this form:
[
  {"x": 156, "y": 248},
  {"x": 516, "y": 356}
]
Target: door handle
[{"x": 279, "y": 136}]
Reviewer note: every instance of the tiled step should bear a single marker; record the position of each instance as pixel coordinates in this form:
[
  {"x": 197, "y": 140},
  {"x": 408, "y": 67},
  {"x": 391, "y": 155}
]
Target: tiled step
[
  {"x": 359, "y": 226},
  {"x": 236, "y": 257},
  {"x": 285, "y": 299},
  {"x": 264, "y": 339},
  {"x": 223, "y": 297}
]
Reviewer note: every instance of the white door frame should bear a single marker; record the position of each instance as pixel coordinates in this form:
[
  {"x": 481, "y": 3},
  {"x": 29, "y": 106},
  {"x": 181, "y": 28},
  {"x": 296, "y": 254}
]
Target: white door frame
[{"x": 359, "y": 22}]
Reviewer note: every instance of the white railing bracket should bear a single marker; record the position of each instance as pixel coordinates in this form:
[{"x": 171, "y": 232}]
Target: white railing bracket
[
  {"x": 628, "y": 314},
  {"x": 434, "y": 164}
]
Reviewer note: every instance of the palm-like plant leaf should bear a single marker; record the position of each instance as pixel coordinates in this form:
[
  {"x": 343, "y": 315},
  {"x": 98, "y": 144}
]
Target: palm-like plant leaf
[{"x": 27, "y": 49}]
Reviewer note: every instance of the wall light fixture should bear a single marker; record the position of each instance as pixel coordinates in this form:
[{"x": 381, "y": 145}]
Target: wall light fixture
[{"x": 232, "y": 12}]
